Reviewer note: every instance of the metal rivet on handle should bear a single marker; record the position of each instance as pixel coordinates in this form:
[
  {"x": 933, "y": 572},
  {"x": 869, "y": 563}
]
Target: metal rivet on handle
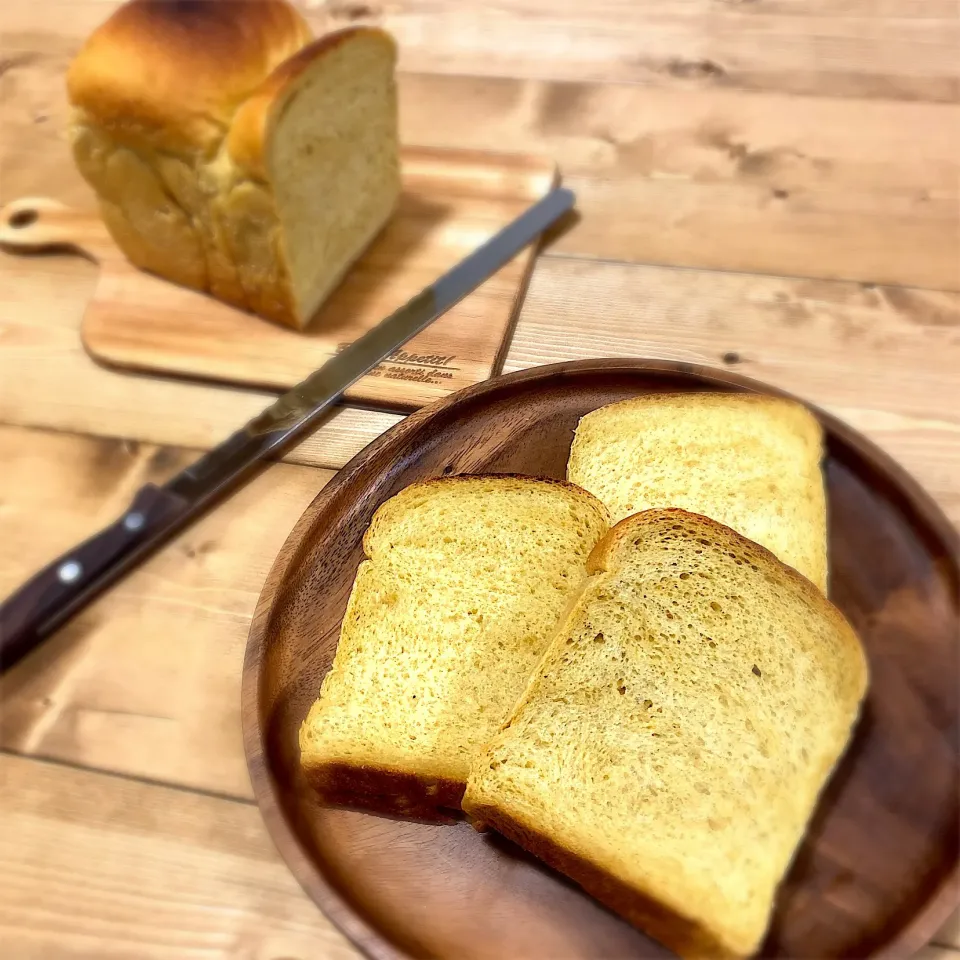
[
  {"x": 133, "y": 521},
  {"x": 69, "y": 572}
]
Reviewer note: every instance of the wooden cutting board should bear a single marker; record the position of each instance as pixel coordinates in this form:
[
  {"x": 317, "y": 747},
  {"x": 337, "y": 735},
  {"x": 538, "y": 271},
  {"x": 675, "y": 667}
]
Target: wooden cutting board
[{"x": 452, "y": 202}]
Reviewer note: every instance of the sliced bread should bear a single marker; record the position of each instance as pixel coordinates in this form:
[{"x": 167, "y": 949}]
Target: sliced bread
[
  {"x": 465, "y": 582},
  {"x": 750, "y": 462},
  {"x": 670, "y": 748}
]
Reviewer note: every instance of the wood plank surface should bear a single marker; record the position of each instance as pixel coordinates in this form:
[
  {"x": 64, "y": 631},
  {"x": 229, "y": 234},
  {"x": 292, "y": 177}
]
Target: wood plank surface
[
  {"x": 104, "y": 867},
  {"x": 146, "y": 680},
  {"x": 900, "y": 49},
  {"x": 832, "y": 343},
  {"x": 717, "y": 178},
  {"x": 109, "y": 868},
  {"x": 810, "y": 148},
  {"x": 702, "y": 175},
  {"x": 145, "y": 683},
  {"x": 47, "y": 379},
  {"x": 882, "y": 359},
  {"x": 883, "y": 49}
]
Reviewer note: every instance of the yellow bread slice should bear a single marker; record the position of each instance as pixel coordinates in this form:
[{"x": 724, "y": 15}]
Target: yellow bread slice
[
  {"x": 465, "y": 582},
  {"x": 750, "y": 462},
  {"x": 669, "y": 750}
]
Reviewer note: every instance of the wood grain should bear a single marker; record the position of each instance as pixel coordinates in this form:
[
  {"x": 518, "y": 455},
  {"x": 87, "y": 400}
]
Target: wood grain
[
  {"x": 145, "y": 680},
  {"x": 696, "y": 116},
  {"x": 832, "y": 343},
  {"x": 894, "y": 49},
  {"x": 48, "y": 380},
  {"x": 693, "y": 172},
  {"x": 879, "y": 868},
  {"x": 899, "y": 50},
  {"x": 105, "y": 867},
  {"x": 452, "y": 202},
  {"x": 828, "y": 188}
]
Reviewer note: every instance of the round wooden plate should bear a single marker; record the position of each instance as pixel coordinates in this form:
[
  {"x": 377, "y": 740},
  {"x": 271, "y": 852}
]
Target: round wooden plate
[{"x": 878, "y": 870}]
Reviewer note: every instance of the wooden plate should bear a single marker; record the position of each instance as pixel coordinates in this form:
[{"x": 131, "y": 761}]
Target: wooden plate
[{"x": 878, "y": 871}]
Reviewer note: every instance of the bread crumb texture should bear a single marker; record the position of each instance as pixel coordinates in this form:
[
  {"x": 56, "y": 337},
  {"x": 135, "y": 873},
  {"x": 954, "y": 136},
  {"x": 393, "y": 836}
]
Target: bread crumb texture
[
  {"x": 465, "y": 581},
  {"x": 750, "y": 462},
  {"x": 675, "y": 739}
]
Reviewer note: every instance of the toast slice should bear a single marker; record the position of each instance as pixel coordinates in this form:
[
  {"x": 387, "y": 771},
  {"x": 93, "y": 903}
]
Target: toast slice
[
  {"x": 750, "y": 462},
  {"x": 669, "y": 750},
  {"x": 465, "y": 582}
]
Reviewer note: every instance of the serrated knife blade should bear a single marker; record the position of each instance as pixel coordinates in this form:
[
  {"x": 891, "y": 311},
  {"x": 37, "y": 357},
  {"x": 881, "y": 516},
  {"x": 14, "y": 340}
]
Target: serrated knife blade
[{"x": 65, "y": 586}]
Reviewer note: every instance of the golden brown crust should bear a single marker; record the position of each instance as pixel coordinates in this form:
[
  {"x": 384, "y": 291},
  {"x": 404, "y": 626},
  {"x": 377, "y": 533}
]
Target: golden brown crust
[
  {"x": 678, "y": 933},
  {"x": 381, "y": 790},
  {"x": 404, "y": 793},
  {"x": 571, "y": 488},
  {"x": 250, "y": 129},
  {"x": 170, "y": 74},
  {"x": 708, "y": 399},
  {"x": 603, "y": 552},
  {"x": 162, "y": 92}
]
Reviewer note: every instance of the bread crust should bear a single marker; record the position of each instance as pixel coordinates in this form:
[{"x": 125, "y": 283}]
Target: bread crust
[
  {"x": 174, "y": 107},
  {"x": 708, "y": 399},
  {"x": 683, "y": 934},
  {"x": 678, "y": 933},
  {"x": 246, "y": 148},
  {"x": 250, "y": 128},
  {"x": 406, "y": 792},
  {"x": 170, "y": 75},
  {"x": 519, "y": 479},
  {"x": 603, "y": 553},
  {"x": 382, "y": 790}
]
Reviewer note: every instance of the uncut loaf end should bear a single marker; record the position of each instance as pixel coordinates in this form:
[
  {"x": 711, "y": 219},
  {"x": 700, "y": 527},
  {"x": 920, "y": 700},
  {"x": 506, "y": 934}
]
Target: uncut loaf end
[{"x": 232, "y": 153}]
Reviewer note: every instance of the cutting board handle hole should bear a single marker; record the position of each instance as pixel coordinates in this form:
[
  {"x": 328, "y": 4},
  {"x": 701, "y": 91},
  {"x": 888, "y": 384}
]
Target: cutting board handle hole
[{"x": 23, "y": 218}]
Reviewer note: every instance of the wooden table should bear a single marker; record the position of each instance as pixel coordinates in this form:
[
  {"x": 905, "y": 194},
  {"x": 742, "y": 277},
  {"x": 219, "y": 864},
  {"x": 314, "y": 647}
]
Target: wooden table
[{"x": 770, "y": 184}]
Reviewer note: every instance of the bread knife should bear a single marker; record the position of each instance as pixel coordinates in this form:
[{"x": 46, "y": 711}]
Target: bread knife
[{"x": 69, "y": 583}]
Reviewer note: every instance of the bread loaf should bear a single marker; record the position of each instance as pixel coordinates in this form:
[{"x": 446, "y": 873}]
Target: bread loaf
[
  {"x": 464, "y": 583},
  {"x": 232, "y": 153},
  {"x": 672, "y": 744},
  {"x": 750, "y": 462}
]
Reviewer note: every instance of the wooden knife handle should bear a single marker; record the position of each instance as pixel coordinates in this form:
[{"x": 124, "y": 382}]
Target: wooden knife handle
[{"x": 35, "y": 610}]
